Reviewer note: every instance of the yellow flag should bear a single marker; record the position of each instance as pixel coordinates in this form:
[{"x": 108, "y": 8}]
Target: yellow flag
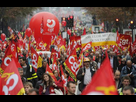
[{"x": 39, "y": 62}]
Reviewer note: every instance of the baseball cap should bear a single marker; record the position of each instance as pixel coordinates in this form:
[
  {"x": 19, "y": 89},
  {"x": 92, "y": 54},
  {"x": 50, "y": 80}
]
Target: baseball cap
[{"x": 86, "y": 59}]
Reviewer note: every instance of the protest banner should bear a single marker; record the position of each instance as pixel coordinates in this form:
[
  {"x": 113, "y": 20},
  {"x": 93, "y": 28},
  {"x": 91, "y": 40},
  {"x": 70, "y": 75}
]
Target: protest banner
[{"x": 99, "y": 39}]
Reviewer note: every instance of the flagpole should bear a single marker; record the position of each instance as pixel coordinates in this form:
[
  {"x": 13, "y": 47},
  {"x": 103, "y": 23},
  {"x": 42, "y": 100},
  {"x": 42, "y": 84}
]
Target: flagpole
[{"x": 82, "y": 64}]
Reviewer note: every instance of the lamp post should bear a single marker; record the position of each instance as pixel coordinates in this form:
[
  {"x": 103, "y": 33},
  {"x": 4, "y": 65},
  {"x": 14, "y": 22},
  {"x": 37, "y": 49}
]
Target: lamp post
[
  {"x": 117, "y": 24},
  {"x": 132, "y": 27}
]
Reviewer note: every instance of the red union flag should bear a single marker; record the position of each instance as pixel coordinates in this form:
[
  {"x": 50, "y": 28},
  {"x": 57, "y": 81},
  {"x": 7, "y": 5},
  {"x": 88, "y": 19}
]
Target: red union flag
[
  {"x": 34, "y": 56},
  {"x": 78, "y": 40},
  {"x": 11, "y": 52},
  {"x": 36, "y": 59},
  {"x": 48, "y": 70},
  {"x": 125, "y": 41},
  {"x": 133, "y": 48},
  {"x": 71, "y": 64},
  {"x": 11, "y": 81},
  {"x": 55, "y": 52},
  {"x": 63, "y": 78},
  {"x": 41, "y": 46},
  {"x": 73, "y": 43},
  {"x": 87, "y": 46},
  {"x": 84, "y": 32},
  {"x": 102, "y": 82},
  {"x": 54, "y": 65}
]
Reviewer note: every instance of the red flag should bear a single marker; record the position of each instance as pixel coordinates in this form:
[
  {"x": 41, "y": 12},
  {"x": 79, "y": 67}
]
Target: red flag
[
  {"x": 63, "y": 78},
  {"x": 71, "y": 64},
  {"x": 73, "y": 43},
  {"x": 11, "y": 81},
  {"x": 0, "y": 86},
  {"x": 41, "y": 46},
  {"x": 4, "y": 45},
  {"x": 36, "y": 59},
  {"x": 96, "y": 48},
  {"x": 48, "y": 70},
  {"x": 118, "y": 41},
  {"x": 102, "y": 82},
  {"x": 20, "y": 36},
  {"x": 10, "y": 30},
  {"x": 78, "y": 40},
  {"x": 19, "y": 45},
  {"x": 63, "y": 45},
  {"x": 133, "y": 48},
  {"x": 60, "y": 43},
  {"x": 54, "y": 65},
  {"x": 116, "y": 50},
  {"x": 87, "y": 46},
  {"x": 53, "y": 51},
  {"x": 125, "y": 41},
  {"x": 11, "y": 52},
  {"x": 68, "y": 49},
  {"x": 84, "y": 32}
]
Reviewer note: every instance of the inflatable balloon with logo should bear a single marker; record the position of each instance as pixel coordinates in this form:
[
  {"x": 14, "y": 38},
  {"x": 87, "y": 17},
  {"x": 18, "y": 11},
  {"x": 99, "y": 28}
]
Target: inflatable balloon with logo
[{"x": 44, "y": 25}]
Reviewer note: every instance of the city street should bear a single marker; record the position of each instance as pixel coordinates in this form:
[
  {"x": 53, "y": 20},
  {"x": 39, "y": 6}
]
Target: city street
[{"x": 67, "y": 51}]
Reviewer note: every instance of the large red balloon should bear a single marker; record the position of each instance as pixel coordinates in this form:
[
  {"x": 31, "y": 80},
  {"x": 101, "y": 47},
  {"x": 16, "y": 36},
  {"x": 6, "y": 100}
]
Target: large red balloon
[
  {"x": 28, "y": 32},
  {"x": 3, "y": 36},
  {"x": 46, "y": 21}
]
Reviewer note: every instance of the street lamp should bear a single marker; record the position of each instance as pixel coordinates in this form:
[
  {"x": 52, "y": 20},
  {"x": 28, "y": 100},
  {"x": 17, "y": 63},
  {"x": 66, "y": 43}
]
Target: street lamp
[
  {"x": 131, "y": 22},
  {"x": 132, "y": 27},
  {"x": 117, "y": 24},
  {"x": 117, "y": 19}
]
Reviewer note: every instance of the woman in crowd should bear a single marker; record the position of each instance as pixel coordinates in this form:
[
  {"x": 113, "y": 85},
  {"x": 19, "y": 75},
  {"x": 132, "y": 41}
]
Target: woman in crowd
[{"x": 47, "y": 86}]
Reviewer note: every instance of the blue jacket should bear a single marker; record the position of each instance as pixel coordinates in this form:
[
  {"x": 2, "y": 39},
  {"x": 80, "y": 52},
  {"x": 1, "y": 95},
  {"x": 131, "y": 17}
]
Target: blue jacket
[{"x": 124, "y": 71}]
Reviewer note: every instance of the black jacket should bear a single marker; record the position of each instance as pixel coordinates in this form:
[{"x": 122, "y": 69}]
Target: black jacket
[
  {"x": 40, "y": 72},
  {"x": 115, "y": 63},
  {"x": 81, "y": 77},
  {"x": 31, "y": 76}
]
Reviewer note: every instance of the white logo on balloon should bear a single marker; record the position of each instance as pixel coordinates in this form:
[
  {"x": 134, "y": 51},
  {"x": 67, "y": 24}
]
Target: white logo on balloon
[{"x": 51, "y": 24}]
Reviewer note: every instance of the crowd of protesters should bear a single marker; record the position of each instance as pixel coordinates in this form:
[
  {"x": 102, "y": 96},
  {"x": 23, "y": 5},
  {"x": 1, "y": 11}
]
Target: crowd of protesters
[{"x": 41, "y": 83}]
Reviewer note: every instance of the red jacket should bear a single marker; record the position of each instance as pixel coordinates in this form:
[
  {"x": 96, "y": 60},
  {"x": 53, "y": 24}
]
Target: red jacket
[
  {"x": 59, "y": 83},
  {"x": 51, "y": 90}
]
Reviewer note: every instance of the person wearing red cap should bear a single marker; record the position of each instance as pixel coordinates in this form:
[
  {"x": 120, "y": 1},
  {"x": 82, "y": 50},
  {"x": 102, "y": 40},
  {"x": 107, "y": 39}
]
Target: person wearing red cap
[{"x": 85, "y": 74}]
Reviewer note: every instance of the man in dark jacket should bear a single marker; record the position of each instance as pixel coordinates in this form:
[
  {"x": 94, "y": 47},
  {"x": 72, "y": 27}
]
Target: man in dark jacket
[
  {"x": 114, "y": 61},
  {"x": 129, "y": 70},
  {"x": 41, "y": 70},
  {"x": 85, "y": 74},
  {"x": 28, "y": 71}
]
